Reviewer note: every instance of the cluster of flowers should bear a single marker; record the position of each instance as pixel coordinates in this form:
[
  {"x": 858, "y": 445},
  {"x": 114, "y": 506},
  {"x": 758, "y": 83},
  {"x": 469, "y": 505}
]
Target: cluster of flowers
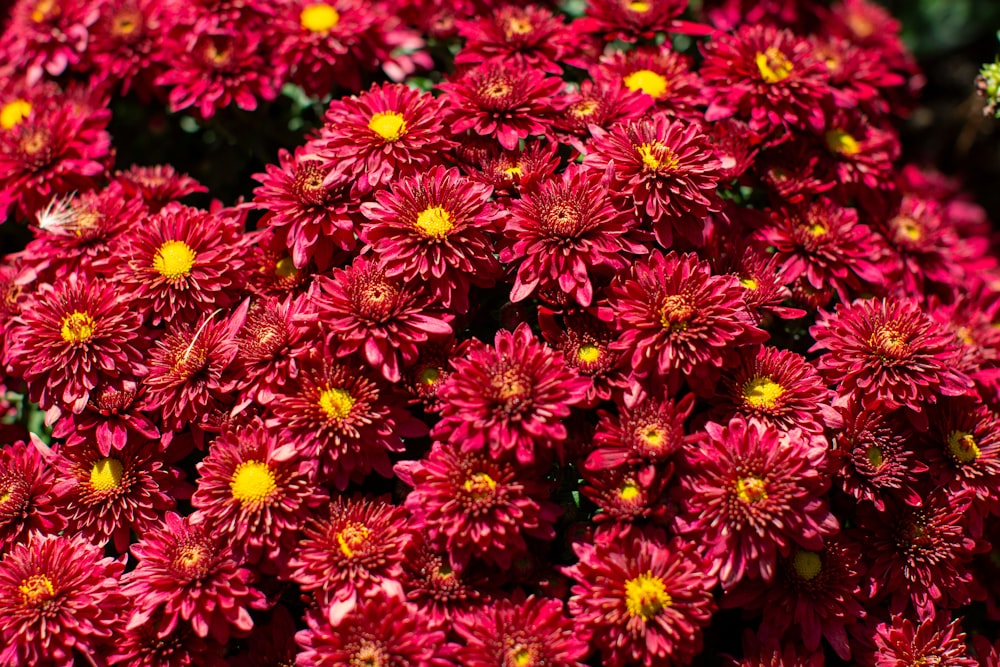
[{"x": 629, "y": 333}]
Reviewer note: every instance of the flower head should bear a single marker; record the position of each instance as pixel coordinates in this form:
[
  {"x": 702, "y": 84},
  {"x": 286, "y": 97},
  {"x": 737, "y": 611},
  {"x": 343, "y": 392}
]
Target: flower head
[{"x": 28, "y": 502}]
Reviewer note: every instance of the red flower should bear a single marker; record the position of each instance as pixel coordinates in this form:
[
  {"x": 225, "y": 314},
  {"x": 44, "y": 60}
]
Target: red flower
[
  {"x": 70, "y": 337},
  {"x": 157, "y": 185},
  {"x": 528, "y": 37},
  {"x": 661, "y": 73},
  {"x": 125, "y": 40},
  {"x": 665, "y": 168},
  {"x": 927, "y": 641},
  {"x": 511, "y": 396},
  {"x": 649, "y": 431},
  {"x": 186, "y": 575},
  {"x": 436, "y": 588},
  {"x": 750, "y": 494},
  {"x": 644, "y": 602},
  {"x": 477, "y": 506},
  {"x": 59, "y": 598},
  {"x": 45, "y": 37},
  {"x": 497, "y": 101},
  {"x": 963, "y": 449},
  {"x": 586, "y": 346},
  {"x": 28, "y": 503},
  {"x": 114, "y": 415},
  {"x": 637, "y": 20},
  {"x": 269, "y": 344}
]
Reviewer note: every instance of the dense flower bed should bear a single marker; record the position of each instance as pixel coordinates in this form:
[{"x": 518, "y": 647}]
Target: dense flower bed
[{"x": 609, "y": 334}]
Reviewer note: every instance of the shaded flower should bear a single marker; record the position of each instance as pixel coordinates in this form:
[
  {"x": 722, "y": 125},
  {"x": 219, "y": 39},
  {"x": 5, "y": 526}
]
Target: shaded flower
[
  {"x": 905, "y": 641},
  {"x": 649, "y": 431},
  {"x": 443, "y": 593},
  {"x": 28, "y": 502},
  {"x": 530, "y": 37}
]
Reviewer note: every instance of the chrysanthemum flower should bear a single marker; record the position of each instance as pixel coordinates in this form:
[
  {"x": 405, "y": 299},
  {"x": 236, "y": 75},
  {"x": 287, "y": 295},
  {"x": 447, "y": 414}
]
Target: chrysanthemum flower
[
  {"x": 55, "y": 149},
  {"x": 649, "y": 431},
  {"x": 971, "y": 316},
  {"x": 920, "y": 554},
  {"x": 188, "y": 370},
  {"x": 792, "y": 172},
  {"x": 380, "y": 631},
  {"x": 268, "y": 344},
  {"x": 509, "y": 396},
  {"x": 750, "y": 494},
  {"x": 314, "y": 39},
  {"x": 496, "y": 101},
  {"x": 860, "y": 154},
  {"x": 28, "y": 503},
  {"x": 124, "y": 42},
  {"x": 113, "y": 417},
  {"x": 108, "y": 498},
  {"x": 59, "y": 599},
  {"x": 777, "y": 389},
  {"x": 478, "y": 506},
  {"x": 585, "y": 342},
  {"x": 663, "y": 74},
  {"x": 256, "y": 492},
  {"x": 532, "y": 631},
  {"x": 311, "y": 211},
  {"x": 874, "y": 455},
  {"x": 770, "y": 654},
  {"x": 442, "y": 592},
  {"x": 530, "y": 37},
  {"x": 762, "y": 279},
  {"x": 511, "y": 172},
  {"x": 562, "y": 232},
  {"x": 338, "y": 413},
  {"x": 963, "y": 448},
  {"x": 46, "y": 37},
  {"x": 666, "y": 169},
  {"x": 435, "y": 228},
  {"x": 70, "y": 337},
  {"x": 932, "y": 640},
  {"x": 353, "y": 553},
  {"x": 364, "y": 310},
  {"x": 679, "y": 321},
  {"x": 143, "y": 646},
  {"x": 157, "y": 185},
  {"x": 187, "y": 575},
  {"x": 644, "y": 602},
  {"x": 181, "y": 263},
  {"x": 383, "y": 134},
  {"x": 637, "y": 20},
  {"x": 632, "y": 494},
  {"x": 601, "y": 105},
  {"x": 889, "y": 352},
  {"x": 856, "y": 78},
  {"x": 825, "y": 244},
  {"x": 271, "y": 271},
  {"x": 214, "y": 68},
  {"x": 817, "y": 591},
  {"x": 767, "y": 77}
]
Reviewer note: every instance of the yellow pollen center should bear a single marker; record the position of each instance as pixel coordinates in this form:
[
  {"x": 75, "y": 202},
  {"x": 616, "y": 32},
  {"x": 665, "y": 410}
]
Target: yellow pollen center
[
  {"x": 174, "y": 260},
  {"x": 390, "y": 125},
  {"x": 963, "y": 447},
  {"x": 588, "y": 354},
  {"x": 675, "y": 313},
  {"x": 646, "y": 595},
  {"x": 629, "y": 492},
  {"x": 653, "y": 436},
  {"x": 762, "y": 392},
  {"x": 77, "y": 327},
  {"x": 480, "y": 485},
  {"x": 285, "y": 268},
  {"x": 749, "y": 283},
  {"x": 909, "y": 227},
  {"x": 14, "y": 112},
  {"x": 496, "y": 89},
  {"x": 807, "y": 564},
  {"x": 35, "y": 588},
  {"x": 648, "y": 81},
  {"x": 639, "y": 6},
  {"x": 106, "y": 474},
  {"x": 513, "y": 171},
  {"x": 43, "y": 10},
  {"x": 888, "y": 341},
  {"x": 336, "y": 403},
  {"x": 839, "y": 141},
  {"x": 5, "y": 496},
  {"x": 429, "y": 376},
  {"x": 657, "y": 157},
  {"x": 751, "y": 489},
  {"x": 773, "y": 65},
  {"x": 190, "y": 555},
  {"x": 521, "y": 656},
  {"x": 319, "y": 18},
  {"x": 518, "y": 26},
  {"x": 875, "y": 456},
  {"x": 252, "y": 482},
  {"x": 352, "y": 538},
  {"x": 434, "y": 221},
  {"x": 584, "y": 109}
]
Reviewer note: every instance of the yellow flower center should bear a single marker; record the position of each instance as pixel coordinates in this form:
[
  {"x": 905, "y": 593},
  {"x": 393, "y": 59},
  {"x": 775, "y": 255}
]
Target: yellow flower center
[
  {"x": 657, "y": 157},
  {"x": 352, "y": 538},
  {"x": 648, "y": 81},
  {"x": 252, "y": 482},
  {"x": 521, "y": 656},
  {"x": 190, "y": 555},
  {"x": 43, "y": 10},
  {"x": 807, "y": 564},
  {"x": 588, "y": 353},
  {"x": 77, "y": 327},
  {"x": 496, "y": 89},
  {"x": 749, "y": 283},
  {"x": 14, "y": 112},
  {"x": 390, "y": 125},
  {"x": 517, "y": 25},
  {"x": 5, "y": 496},
  {"x": 751, "y": 489},
  {"x": 817, "y": 230},
  {"x": 319, "y": 17},
  {"x": 174, "y": 260},
  {"x": 773, "y": 65},
  {"x": 639, "y": 6},
  {"x": 36, "y": 588},
  {"x": 875, "y": 456},
  {"x": 762, "y": 392},
  {"x": 434, "y": 221},
  {"x": 839, "y": 141},
  {"x": 336, "y": 403},
  {"x": 888, "y": 342},
  {"x": 652, "y": 435},
  {"x": 629, "y": 492},
  {"x": 480, "y": 485},
  {"x": 513, "y": 170},
  {"x": 106, "y": 475},
  {"x": 646, "y": 595},
  {"x": 963, "y": 447},
  {"x": 584, "y": 108},
  {"x": 675, "y": 313},
  {"x": 429, "y": 376},
  {"x": 908, "y": 227},
  {"x": 285, "y": 268}
]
